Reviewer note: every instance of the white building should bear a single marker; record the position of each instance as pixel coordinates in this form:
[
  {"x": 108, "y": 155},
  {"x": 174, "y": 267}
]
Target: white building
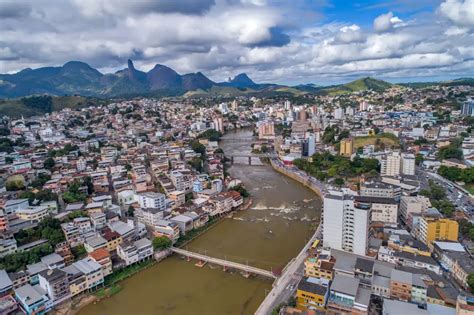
[
  {"x": 408, "y": 164},
  {"x": 346, "y": 223},
  {"x": 410, "y": 205},
  {"x": 136, "y": 251},
  {"x": 390, "y": 165},
  {"x": 151, "y": 200}
]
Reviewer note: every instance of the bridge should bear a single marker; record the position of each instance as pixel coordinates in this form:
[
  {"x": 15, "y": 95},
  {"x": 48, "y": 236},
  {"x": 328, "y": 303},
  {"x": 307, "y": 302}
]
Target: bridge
[
  {"x": 224, "y": 263},
  {"x": 247, "y": 158}
]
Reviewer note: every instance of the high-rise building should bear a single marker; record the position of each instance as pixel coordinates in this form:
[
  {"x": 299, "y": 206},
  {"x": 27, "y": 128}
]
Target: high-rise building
[
  {"x": 390, "y": 165},
  {"x": 468, "y": 108},
  {"x": 218, "y": 124},
  {"x": 266, "y": 130},
  {"x": 346, "y": 147},
  {"x": 408, "y": 164},
  {"x": 363, "y": 106},
  {"x": 346, "y": 223},
  {"x": 311, "y": 144},
  {"x": 339, "y": 113}
]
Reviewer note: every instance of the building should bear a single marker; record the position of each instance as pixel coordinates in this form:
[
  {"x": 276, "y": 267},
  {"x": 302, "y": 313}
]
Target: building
[
  {"x": 464, "y": 305},
  {"x": 408, "y": 164},
  {"x": 266, "y": 130},
  {"x": 6, "y": 283},
  {"x": 149, "y": 216},
  {"x": 33, "y": 214},
  {"x": 346, "y": 147},
  {"x": 102, "y": 257},
  {"x": 382, "y": 209},
  {"x": 312, "y": 294},
  {"x": 151, "y": 200},
  {"x": 434, "y": 229},
  {"x": 56, "y": 285},
  {"x": 92, "y": 271},
  {"x": 346, "y": 224},
  {"x": 136, "y": 251},
  {"x": 410, "y": 205},
  {"x": 347, "y": 297},
  {"x": 32, "y": 300},
  {"x": 468, "y": 108},
  {"x": 390, "y": 164},
  {"x": 379, "y": 189}
]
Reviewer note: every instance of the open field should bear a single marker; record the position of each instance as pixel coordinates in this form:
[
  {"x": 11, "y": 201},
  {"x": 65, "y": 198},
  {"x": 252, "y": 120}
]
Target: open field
[{"x": 386, "y": 139}]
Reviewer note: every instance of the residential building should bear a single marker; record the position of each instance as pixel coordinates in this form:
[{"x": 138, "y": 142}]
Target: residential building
[
  {"x": 346, "y": 223},
  {"x": 32, "y": 300},
  {"x": 390, "y": 164},
  {"x": 433, "y": 229},
  {"x": 92, "y": 271},
  {"x": 136, "y": 251},
  {"x": 410, "y": 205},
  {"x": 408, "y": 164},
  {"x": 312, "y": 294},
  {"x": 56, "y": 285},
  {"x": 346, "y": 147},
  {"x": 266, "y": 130},
  {"x": 151, "y": 200},
  {"x": 347, "y": 297},
  {"x": 102, "y": 256}
]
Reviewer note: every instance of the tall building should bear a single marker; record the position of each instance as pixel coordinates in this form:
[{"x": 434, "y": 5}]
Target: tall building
[
  {"x": 339, "y": 113},
  {"x": 218, "y": 123},
  {"x": 468, "y": 108},
  {"x": 311, "y": 144},
  {"x": 151, "y": 200},
  {"x": 346, "y": 223},
  {"x": 266, "y": 130},
  {"x": 390, "y": 165},
  {"x": 408, "y": 164},
  {"x": 346, "y": 147}
]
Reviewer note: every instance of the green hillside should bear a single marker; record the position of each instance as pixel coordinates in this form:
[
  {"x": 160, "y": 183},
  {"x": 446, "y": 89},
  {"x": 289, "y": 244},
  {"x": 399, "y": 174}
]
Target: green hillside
[
  {"x": 39, "y": 105},
  {"x": 363, "y": 84}
]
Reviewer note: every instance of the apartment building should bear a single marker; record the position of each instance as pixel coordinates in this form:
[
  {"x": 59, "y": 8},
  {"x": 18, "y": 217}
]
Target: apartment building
[
  {"x": 390, "y": 164},
  {"x": 408, "y": 164},
  {"x": 136, "y": 251},
  {"x": 346, "y": 223},
  {"x": 379, "y": 189},
  {"x": 56, "y": 285},
  {"x": 149, "y": 216},
  {"x": 383, "y": 209},
  {"x": 151, "y": 200},
  {"x": 410, "y": 205},
  {"x": 312, "y": 294},
  {"x": 432, "y": 229}
]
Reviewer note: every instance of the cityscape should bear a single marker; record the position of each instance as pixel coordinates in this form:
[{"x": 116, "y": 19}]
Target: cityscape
[{"x": 231, "y": 185}]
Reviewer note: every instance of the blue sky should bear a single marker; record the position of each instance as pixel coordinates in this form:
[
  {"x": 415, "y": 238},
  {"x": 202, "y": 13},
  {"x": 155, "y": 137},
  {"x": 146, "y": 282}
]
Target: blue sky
[{"x": 281, "y": 41}]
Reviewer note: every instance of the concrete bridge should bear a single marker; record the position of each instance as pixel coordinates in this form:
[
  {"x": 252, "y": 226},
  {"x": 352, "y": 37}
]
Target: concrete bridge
[
  {"x": 247, "y": 158},
  {"x": 224, "y": 263}
]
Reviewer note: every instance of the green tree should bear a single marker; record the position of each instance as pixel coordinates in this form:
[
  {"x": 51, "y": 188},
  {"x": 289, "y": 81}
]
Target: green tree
[
  {"x": 470, "y": 281},
  {"x": 198, "y": 147},
  {"x": 49, "y": 163},
  {"x": 161, "y": 242}
]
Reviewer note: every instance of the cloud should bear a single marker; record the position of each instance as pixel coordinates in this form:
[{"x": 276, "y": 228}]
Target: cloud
[
  {"x": 272, "y": 40},
  {"x": 460, "y": 12},
  {"x": 386, "y": 22}
]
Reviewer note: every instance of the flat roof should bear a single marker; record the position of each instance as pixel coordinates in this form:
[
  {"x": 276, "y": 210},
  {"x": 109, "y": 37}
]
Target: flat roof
[{"x": 345, "y": 284}]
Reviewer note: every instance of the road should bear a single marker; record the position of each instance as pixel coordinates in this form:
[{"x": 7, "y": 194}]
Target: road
[
  {"x": 285, "y": 286},
  {"x": 457, "y": 196}
]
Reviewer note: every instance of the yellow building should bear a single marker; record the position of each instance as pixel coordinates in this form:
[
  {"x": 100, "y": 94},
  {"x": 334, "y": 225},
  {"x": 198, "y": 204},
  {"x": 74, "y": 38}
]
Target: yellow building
[
  {"x": 433, "y": 229},
  {"x": 319, "y": 267},
  {"x": 312, "y": 294},
  {"x": 347, "y": 147}
]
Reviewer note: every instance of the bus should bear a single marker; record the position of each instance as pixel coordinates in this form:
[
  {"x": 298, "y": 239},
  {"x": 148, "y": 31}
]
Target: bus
[{"x": 315, "y": 244}]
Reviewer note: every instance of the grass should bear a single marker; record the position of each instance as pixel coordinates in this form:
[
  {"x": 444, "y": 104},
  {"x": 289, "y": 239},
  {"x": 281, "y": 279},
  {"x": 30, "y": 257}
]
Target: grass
[
  {"x": 126, "y": 272},
  {"x": 386, "y": 139},
  {"x": 108, "y": 292},
  {"x": 470, "y": 188}
]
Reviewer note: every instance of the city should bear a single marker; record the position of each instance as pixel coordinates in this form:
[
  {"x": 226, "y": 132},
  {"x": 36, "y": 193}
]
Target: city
[{"x": 125, "y": 191}]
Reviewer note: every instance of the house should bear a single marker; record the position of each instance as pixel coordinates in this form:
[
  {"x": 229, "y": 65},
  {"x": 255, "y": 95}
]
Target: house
[
  {"x": 56, "y": 285},
  {"x": 92, "y": 271},
  {"x": 168, "y": 229},
  {"x": 102, "y": 256},
  {"x": 6, "y": 283},
  {"x": 113, "y": 239},
  {"x": 93, "y": 243},
  {"x": 8, "y": 305},
  {"x": 346, "y": 296},
  {"x": 184, "y": 223},
  {"x": 312, "y": 293},
  {"x": 132, "y": 252},
  {"x": 98, "y": 220},
  {"x": 32, "y": 300}
]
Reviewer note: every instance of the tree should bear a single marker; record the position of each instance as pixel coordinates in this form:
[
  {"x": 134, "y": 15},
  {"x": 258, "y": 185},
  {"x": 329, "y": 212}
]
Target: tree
[
  {"x": 339, "y": 182},
  {"x": 198, "y": 147},
  {"x": 241, "y": 190},
  {"x": 130, "y": 211},
  {"x": 470, "y": 281},
  {"x": 161, "y": 242},
  {"x": 419, "y": 159},
  {"x": 13, "y": 185},
  {"x": 49, "y": 163}
]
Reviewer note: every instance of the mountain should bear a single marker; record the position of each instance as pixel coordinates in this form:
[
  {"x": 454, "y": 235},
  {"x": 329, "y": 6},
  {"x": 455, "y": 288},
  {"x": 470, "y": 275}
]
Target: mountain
[
  {"x": 78, "y": 78},
  {"x": 240, "y": 81},
  {"x": 359, "y": 85}
]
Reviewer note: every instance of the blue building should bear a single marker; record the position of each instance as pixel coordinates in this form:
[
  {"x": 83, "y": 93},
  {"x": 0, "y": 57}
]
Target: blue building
[{"x": 32, "y": 299}]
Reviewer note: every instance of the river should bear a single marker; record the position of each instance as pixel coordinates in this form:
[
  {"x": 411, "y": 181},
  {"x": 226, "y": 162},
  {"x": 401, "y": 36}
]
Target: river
[{"x": 282, "y": 218}]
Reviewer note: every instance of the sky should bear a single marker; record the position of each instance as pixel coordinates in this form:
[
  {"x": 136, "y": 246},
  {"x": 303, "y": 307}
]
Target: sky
[{"x": 278, "y": 41}]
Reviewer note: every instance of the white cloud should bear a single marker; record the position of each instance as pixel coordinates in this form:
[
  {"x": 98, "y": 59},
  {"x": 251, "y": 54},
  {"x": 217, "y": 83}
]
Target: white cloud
[
  {"x": 386, "y": 22},
  {"x": 460, "y": 12}
]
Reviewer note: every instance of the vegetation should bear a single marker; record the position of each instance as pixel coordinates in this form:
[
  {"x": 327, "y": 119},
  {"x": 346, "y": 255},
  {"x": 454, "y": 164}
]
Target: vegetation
[
  {"x": 451, "y": 151},
  {"x": 381, "y": 141},
  {"x": 49, "y": 229},
  {"x": 79, "y": 252},
  {"x": 198, "y": 147},
  {"x": 68, "y": 148},
  {"x": 470, "y": 281},
  {"x": 161, "y": 242},
  {"x": 437, "y": 196},
  {"x": 18, "y": 261},
  {"x": 241, "y": 190},
  {"x": 211, "y": 134},
  {"x": 73, "y": 194},
  {"x": 325, "y": 165},
  {"x": 456, "y": 174}
]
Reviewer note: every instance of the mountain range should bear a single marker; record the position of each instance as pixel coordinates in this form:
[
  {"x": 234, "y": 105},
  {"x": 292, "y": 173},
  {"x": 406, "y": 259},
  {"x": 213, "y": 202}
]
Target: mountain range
[{"x": 78, "y": 78}]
